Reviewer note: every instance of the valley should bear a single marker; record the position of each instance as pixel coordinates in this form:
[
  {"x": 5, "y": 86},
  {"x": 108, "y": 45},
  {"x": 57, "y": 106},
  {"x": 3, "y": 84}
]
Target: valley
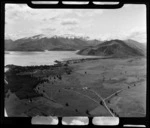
[{"x": 87, "y": 87}]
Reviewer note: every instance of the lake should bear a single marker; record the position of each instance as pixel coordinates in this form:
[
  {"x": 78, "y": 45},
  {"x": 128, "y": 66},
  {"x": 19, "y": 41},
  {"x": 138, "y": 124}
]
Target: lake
[{"x": 40, "y": 58}]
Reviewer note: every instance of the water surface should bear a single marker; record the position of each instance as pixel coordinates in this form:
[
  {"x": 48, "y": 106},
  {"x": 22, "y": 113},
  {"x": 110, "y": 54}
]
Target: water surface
[{"x": 39, "y": 58}]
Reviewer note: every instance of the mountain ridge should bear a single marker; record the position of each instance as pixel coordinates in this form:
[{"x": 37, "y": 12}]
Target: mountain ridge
[
  {"x": 41, "y": 43},
  {"x": 115, "y": 48}
]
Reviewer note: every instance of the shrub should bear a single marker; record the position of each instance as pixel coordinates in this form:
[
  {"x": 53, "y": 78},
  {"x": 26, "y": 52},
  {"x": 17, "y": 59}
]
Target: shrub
[
  {"x": 76, "y": 110},
  {"x": 101, "y": 103},
  {"x": 87, "y": 112},
  {"x": 67, "y": 104}
]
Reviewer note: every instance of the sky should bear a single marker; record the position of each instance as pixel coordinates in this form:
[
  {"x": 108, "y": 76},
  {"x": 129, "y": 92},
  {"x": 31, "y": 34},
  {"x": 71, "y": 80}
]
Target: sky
[{"x": 128, "y": 22}]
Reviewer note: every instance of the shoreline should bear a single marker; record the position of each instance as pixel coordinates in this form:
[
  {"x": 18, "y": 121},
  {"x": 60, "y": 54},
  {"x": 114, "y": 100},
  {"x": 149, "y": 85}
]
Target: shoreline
[
  {"x": 69, "y": 60},
  {"x": 62, "y": 62}
]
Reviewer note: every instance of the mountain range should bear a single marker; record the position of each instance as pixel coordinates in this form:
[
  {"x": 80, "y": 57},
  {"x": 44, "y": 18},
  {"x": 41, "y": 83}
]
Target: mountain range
[
  {"x": 86, "y": 46},
  {"x": 41, "y": 43}
]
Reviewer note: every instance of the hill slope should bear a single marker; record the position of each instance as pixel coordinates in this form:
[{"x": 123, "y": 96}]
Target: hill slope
[
  {"x": 115, "y": 48},
  {"x": 134, "y": 44}
]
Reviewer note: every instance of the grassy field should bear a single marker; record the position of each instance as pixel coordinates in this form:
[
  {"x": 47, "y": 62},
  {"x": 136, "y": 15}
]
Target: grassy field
[{"x": 100, "y": 87}]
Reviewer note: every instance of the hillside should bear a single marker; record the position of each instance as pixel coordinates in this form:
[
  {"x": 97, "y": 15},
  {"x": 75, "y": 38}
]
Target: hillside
[
  {"x": 116, "y": 48},
  {"x": 41, "y": 43},
  {"x": 132, "y": 43}
]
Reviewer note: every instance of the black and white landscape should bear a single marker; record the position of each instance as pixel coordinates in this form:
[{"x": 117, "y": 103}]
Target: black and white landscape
[{"x": 74, "y": 62}]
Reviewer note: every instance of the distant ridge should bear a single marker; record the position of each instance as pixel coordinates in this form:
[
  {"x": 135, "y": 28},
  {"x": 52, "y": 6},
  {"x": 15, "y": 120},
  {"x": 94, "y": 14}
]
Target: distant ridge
[
  {"x": 116, "y": 48},
  {"x": 42, "y": 43}
]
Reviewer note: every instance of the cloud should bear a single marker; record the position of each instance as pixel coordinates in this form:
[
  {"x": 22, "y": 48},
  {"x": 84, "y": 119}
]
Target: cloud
[
  {"x": 46, "y": 30},
  {"x": 98, "y": 11},
  {"x": 87, "y": 12},
  {"x": 15, "y": 11},
  {"x": 137, "y": 33},
  {"x": 70, "y": 22},
  {"x": 23, "y": 11},
  {"x": 139, "y": 36},
  {"x": 23, "y": 21},
  {"x": 54, "y": 18}
]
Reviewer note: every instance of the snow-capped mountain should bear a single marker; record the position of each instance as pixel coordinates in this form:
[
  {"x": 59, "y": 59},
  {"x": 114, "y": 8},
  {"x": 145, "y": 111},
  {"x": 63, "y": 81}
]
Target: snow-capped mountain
[{"x": 48, "y": 42}]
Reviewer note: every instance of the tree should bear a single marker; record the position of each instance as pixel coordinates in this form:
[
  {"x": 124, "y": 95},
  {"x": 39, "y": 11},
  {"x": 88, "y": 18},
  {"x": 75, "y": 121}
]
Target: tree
[
  {"x": 87, "y": 112},
  {"x": 101, "y": 103},
  {"x": 111, "y": 110},
  {"x": 67, "y": 104},
  {"x": 30, "y": 100},
  {"x": 116, "y": 114},
  {"x": 27, "y": 96},
  {"x": 68, "y": 73},
  {"x": 59, "y": 77},
  {"x": 76, "y": 110},
  {"x": 66, "y": 65}
]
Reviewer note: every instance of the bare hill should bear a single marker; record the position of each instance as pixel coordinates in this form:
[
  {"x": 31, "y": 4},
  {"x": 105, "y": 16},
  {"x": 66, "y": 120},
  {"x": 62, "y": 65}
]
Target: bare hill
[{"x": 115, "y": 48}]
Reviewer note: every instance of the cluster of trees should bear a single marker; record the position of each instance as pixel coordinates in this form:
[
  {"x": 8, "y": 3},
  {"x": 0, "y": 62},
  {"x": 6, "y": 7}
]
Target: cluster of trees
[
  {"x": 23, "y": 85},
  {"x": 67, "y": 104},
  {"x": 68, "y": 70},
  {"x": 17, "y": 69},
  {"x": 43, "y": 80},
  {"x": 87, "y": 112},
  {"x": 114, "y": 112},
  {"x": 59, "y": 77}
]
